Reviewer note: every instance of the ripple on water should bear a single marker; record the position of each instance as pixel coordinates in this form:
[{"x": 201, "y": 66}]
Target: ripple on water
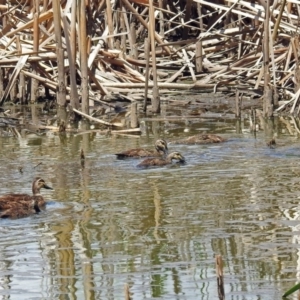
[{"x": 109, "y": 223}]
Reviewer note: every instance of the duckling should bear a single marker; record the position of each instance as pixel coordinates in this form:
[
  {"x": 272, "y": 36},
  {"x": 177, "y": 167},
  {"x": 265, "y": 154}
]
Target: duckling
[
  {"x": 151, "y": 162},
  {"x": 200, "y": 139},
  {"x": 161, "y": 148},
  {"x": 16, "y": 201}
]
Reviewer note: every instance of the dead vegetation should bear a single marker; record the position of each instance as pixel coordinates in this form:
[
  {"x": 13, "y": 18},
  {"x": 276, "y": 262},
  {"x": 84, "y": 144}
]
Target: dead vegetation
[{"x": 86, "y": 52}]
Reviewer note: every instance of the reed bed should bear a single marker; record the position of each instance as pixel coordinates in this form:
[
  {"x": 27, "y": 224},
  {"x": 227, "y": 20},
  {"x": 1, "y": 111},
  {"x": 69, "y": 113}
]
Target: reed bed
[{"x": 140, "y": 51}]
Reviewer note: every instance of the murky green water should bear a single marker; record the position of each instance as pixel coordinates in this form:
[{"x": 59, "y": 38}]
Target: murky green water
[{"x": 158, "y": 230}]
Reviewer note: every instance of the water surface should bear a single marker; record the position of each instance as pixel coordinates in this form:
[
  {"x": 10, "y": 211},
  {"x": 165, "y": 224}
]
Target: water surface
[{"x": 158, "y": 230}]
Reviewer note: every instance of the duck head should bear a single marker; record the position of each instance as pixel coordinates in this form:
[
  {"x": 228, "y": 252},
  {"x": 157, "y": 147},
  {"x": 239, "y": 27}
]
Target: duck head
[
  {"x": 176, "y": 156},
  {"x": 39, "y": 183},
  {"x": 161, "y": 146}
]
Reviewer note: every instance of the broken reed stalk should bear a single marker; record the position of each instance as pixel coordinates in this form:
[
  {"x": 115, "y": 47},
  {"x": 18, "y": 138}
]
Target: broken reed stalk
[
  {"x": 22, "y": 84},
  {"x": 1, "y": 83},
  {"x": 13, "y": 92},
  {"x": 126, "y": 292},
  {"x": 268, "y": 95},
  {"x": 73, "y": 31},
  {"x": 278, "y": 20},
  {"x": 237, "y": 104},
  {"x": 36, "y": 36},
  {"x": 189, "y": 64},
  {"x": 83, "y": 58},
  {"x": 199, "y": 67},
  {"x": 147, "y": 54},
  {"x": 92, "y": 118},
  {"x": 82, "y": 158},
  {"x": 61, "y": 88},
  {"x": 220, "y": 279},
  {"x": 110, "y": 26},
  {"x": 161, "y": 18},
  {"x": 134, "y": 122},
  {"x": 133, "y": 46},
  {"x": 155, "y": 90},
  {"x": 72, "y": 67},
  {"x": 253, "y": 121}
]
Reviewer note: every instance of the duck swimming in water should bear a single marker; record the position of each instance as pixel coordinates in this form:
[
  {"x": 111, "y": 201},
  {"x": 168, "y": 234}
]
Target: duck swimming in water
[
  {"x": 20, "y": 205},
  {"x": 200, "y": 139},
  {"x": 21, "y": 210},
  {"x": 152, "y": 162},
  {"x": 161, "y": 149}
]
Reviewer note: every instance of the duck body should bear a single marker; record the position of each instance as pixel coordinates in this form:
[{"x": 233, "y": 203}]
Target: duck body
[
  {"x": 137, "y": 153},
  {"x": 14, "y": 200},
  {"x": 161, "y": 149},
  {"x": 21, "y": 205},
  {"x": 158, "y": 162},
  {"x": 200, "y": 139},
  {"x": 23, "y": 209}
]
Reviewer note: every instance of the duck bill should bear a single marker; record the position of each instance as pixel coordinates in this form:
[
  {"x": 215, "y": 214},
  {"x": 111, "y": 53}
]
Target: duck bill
[
  {"x": 182, "y": 160},
  {"x": 45, "y": 186}
]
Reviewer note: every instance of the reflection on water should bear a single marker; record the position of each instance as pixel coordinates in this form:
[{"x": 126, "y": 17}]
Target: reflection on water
[{"x": 109, "y": 224}]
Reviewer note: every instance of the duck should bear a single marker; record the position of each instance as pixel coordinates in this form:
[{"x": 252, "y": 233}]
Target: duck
[
  {"x": 23, "y": 209},
  {"x": 200, "y": 139},
  {"x": 160, "y": 161},
  {"x": 161, "y": 149},
  {"x": 24, "y": 204}
]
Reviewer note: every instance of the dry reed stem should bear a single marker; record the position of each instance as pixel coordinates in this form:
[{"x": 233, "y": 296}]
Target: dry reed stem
[
  {"x": 126, "y": 292},
  {"x": 220, "y": 279}
]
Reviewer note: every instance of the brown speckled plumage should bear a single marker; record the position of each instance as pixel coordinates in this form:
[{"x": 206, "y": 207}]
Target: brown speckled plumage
[
  {"x": 21, "y": 205},
  {"x": 200, "y": 139},
  {"x": 161, "y": 148},
  {"x": 152, "y": 162},
  {"x": 21, "y": 209}
]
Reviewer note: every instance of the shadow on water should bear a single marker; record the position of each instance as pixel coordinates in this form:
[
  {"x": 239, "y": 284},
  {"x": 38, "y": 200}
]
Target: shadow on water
[{"x": 109, "y": 223}]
